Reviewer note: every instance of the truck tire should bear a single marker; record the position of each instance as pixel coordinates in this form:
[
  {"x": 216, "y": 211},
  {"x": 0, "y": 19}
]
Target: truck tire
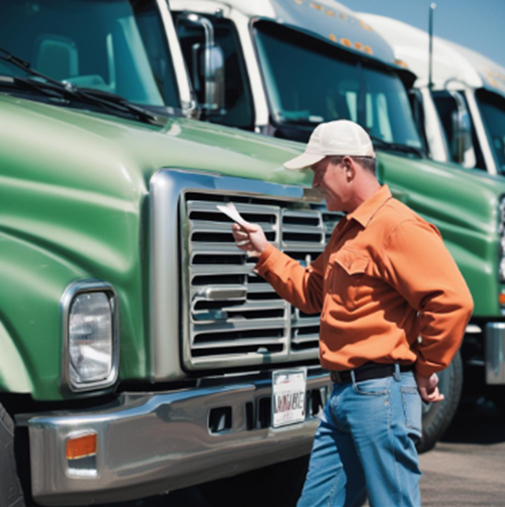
[
  {"x": 11, "y": 493},
  {"x": 438, "y": 416}
]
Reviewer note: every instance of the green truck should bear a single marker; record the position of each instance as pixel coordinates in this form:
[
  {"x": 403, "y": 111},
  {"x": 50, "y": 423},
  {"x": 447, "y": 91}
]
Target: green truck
[{"x": 139, "y": 350}]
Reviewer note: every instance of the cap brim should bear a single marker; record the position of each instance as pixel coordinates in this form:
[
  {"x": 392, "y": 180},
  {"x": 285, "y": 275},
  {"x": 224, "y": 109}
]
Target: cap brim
[{"x": 303, "y": 161}]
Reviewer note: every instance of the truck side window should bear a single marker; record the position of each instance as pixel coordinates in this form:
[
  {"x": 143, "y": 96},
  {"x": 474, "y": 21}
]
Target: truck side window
[
  {"x": 492, "y": 107},
  {"x": 446, "y": 106},
  {"x": 238, "y": 98}
]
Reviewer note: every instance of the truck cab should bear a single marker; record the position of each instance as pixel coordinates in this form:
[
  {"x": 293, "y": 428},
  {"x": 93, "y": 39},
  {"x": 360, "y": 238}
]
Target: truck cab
[{"x": 467, "y": 96}]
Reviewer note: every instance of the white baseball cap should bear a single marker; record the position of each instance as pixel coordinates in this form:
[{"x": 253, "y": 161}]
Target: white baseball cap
[{"x": 340, "y": 137}]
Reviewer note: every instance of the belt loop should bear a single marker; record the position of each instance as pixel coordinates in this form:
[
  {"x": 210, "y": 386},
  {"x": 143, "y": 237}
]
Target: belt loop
[
  {"x": 397, "y": 374},
  {"x": 353, "y": 377}
]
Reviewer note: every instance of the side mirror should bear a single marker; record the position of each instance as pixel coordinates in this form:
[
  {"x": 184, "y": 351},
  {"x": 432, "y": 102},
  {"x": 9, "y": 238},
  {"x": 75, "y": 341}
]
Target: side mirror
[
  {"x": 214, "y": 79},
  {"x": 462, "y": 144},
  {"x": 207, "y": 67}
]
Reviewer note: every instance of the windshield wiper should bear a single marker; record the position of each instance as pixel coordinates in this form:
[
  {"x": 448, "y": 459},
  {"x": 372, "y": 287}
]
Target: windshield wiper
[
  {"x": 112, "y": 100},
  {"x": 24, "y": 65},
  {"x": 52, "y": 87},
  {"x": 43, "y": 87},
  {"x": 396, "y": 146}
]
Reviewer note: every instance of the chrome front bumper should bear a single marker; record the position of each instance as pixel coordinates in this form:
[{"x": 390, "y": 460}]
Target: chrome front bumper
[{"x": 151, "y": 443}]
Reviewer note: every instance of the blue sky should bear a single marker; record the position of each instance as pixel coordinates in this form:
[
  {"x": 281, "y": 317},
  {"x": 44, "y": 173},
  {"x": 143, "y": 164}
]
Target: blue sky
[{"x": 476, "y": 24}]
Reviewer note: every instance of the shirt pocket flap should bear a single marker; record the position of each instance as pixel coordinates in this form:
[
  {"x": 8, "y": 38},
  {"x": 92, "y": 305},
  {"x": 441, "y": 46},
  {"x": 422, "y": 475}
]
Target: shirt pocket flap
[{"x": 352, "y": 262}]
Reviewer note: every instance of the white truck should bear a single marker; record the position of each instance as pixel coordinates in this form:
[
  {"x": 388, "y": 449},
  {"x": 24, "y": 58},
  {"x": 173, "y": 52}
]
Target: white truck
[{"x": 465, "y": 84}]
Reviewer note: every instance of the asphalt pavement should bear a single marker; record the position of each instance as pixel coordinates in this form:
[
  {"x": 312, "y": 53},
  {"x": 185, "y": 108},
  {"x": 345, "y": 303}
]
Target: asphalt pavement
[{"x": 467, "y": 468}]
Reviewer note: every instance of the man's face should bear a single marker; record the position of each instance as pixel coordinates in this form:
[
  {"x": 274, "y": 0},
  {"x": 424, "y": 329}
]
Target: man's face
[{"x": 331, "y": 181}]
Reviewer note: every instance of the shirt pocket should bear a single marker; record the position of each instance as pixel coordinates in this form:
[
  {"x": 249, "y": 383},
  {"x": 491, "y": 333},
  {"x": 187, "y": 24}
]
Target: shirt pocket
[{"x": 347, "y": 269}]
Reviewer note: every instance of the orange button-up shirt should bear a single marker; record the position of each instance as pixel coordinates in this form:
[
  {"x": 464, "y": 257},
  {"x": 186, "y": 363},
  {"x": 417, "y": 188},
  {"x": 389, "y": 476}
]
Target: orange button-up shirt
[{"x": 387, "y": 289}]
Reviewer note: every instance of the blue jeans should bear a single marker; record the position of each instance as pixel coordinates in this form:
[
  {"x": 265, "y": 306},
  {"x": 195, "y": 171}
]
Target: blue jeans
[{"x": 366, "y": 439}]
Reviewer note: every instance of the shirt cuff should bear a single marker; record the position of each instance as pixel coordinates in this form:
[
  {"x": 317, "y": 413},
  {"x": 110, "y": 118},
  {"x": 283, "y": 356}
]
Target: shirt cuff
[
  {"x": 267, "y": 259},
  {"x": 424, "y": 369}
]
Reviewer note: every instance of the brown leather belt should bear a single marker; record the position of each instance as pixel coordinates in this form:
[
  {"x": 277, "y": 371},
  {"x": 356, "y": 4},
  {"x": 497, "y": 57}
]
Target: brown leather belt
[{"x": 368, "y": 371}]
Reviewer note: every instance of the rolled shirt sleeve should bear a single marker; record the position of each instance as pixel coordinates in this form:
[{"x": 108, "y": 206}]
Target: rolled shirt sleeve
[{"x": 418, "y": 265}]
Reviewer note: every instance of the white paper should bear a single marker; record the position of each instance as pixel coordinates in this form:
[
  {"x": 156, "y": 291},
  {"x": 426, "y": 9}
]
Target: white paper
[{"x": 232, "y": 212}]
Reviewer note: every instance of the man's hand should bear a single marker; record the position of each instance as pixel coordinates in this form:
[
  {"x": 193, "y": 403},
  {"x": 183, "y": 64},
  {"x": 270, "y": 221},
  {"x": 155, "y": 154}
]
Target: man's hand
[
  {"x": 251, "y": 239},
  {"x": 428, "y": 388}
]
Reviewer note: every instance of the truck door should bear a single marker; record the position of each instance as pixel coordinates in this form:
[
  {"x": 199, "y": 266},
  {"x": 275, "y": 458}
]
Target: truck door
[{"x": 458, "y": 129}]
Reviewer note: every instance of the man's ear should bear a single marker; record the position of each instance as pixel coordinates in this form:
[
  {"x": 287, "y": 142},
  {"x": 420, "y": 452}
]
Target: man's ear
[{"x": 350, "y": 168}]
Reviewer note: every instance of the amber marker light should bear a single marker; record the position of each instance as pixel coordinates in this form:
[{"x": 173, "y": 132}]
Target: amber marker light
[
  {"x": 81, "y": 447},
  {"x": 333, "y": 37},
  {"x": 346, "y": 42},
  {"x": 401, "y": 63},
  {"x": 368, "y": 50},
  {"x": 358, "y": 45},
  {"x": 501, "y": 299}
]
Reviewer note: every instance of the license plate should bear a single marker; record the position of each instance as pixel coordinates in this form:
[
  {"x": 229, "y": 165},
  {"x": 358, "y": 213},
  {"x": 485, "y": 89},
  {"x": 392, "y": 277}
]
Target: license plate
[{"x": 288, "y": 396}]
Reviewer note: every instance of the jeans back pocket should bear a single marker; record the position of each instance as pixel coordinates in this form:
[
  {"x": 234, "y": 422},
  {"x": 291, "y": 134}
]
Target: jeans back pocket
[{"x": 413, "y": 410}]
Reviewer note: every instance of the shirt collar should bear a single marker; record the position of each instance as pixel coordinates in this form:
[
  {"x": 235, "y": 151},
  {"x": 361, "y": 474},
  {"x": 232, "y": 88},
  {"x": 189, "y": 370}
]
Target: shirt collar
[{"x": 366, "y": 210}]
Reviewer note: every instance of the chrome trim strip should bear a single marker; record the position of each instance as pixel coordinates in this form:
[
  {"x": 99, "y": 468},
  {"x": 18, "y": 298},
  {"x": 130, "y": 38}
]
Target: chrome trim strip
[
  {"x": 495, "y": 353},
  {"x": 166, "y": 292},
  {"x": 70, "y": 293},
  {"x": 473, "y": 329},
  {"x": 148, "y": 443}
]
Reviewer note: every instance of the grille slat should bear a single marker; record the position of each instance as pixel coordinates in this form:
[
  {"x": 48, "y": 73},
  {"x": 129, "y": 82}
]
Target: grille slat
[
  {"x": 213, "y": 269},
  {"x": 223, "y": 227},
  {"x": 246, "y": 330},
  {"x": 306, "y": 339},
  {"x": 259, "y": 342},
  {"x": 236, "y": 327}
]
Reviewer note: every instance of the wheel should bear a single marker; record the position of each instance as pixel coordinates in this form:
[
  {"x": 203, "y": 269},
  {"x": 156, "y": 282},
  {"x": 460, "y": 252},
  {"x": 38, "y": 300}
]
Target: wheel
[
  {"x": 278, "y": 485},
  {"x": 11, "y": 494},
  {"x": 438, "y": 416}
]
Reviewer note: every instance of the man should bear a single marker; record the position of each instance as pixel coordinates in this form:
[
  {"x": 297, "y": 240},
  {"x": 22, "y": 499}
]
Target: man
[{"x": 394, "y": 308}]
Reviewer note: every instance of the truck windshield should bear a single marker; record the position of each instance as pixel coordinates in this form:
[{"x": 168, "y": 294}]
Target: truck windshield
[
  {"x": 492, "y": 107},
  {"x": 309, "y": 81},
  {"x": 115, "y": 46}
]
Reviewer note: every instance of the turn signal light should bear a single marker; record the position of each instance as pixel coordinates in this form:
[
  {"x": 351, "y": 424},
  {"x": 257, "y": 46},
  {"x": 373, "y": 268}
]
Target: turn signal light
[{"x": 81, "y": 447}]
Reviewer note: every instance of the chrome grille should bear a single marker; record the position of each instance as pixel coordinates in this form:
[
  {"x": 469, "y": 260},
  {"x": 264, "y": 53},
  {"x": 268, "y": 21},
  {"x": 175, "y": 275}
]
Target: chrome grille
[{"x": 235, "y": 318}]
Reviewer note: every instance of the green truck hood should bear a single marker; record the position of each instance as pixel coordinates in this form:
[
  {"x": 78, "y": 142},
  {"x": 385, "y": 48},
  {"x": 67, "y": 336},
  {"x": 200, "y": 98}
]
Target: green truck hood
[
  {"x": 141, "y": 149},
  {"x": 73, "y": 193}
]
